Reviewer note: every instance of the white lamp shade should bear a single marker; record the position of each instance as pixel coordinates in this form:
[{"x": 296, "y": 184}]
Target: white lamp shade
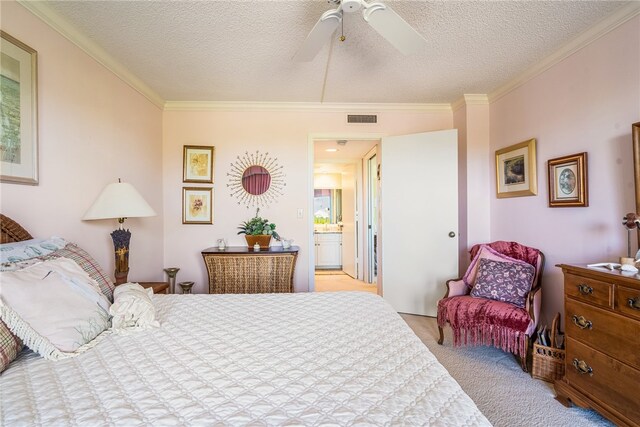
[{"x": 119, "y": 200}]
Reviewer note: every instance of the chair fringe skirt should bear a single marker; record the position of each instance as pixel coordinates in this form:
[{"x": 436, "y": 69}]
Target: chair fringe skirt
[{"x": 502, "y": 337}]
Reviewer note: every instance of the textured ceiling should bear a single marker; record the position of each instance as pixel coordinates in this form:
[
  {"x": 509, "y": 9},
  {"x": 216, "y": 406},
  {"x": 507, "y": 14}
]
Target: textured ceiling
[{"x": 242, "y": 50}]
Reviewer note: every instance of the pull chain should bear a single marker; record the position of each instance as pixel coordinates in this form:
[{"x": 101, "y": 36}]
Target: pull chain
[{"x": 342, "y": 37}]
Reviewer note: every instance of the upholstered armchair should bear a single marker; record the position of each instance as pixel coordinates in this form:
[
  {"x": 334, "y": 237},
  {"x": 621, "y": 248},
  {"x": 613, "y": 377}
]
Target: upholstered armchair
[{"x": 492, "y": 304}]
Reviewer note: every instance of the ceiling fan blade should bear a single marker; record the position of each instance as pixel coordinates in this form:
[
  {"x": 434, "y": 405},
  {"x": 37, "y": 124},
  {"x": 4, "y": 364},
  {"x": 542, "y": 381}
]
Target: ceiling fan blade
[
  {"x": 392, "y": 27},
  {"x": 326, "y": 25}
]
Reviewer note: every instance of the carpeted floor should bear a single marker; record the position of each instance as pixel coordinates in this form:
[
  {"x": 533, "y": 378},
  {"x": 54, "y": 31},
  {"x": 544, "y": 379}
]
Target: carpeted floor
[{"x": 505, "y": 394}]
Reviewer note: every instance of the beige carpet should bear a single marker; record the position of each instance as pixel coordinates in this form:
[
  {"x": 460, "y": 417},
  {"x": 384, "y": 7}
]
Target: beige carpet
[
  {"x": 505, "y": 394},
  {"x": 341, "y": 282}
]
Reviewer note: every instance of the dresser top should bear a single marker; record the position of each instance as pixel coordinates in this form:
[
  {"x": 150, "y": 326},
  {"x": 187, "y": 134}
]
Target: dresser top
[
  {"x": 602, "y": 273},
  {"x": 232, "y": 250}
]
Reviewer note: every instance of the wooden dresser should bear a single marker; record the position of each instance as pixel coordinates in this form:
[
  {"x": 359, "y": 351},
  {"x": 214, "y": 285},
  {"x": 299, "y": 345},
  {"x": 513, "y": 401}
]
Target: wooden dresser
[
  {"x": 240, "y": 270},
  {"x": 602, "y": 371}
]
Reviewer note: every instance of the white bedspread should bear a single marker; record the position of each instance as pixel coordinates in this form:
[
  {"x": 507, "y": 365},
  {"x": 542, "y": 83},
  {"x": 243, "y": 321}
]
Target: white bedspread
[{"x": 287, "y": 359}]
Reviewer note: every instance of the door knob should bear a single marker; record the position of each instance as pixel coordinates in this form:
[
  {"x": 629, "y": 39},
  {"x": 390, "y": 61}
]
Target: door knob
[{"x": 452, "y": 234}]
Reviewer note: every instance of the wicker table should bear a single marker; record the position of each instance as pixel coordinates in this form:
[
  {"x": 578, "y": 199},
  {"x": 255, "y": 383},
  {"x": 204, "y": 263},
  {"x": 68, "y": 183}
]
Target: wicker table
[{"x": 240, "y": 270}]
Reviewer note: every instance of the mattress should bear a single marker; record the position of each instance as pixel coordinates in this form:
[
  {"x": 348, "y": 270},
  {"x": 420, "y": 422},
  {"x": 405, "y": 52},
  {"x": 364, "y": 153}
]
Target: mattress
[{"x": 289, "y": 359}]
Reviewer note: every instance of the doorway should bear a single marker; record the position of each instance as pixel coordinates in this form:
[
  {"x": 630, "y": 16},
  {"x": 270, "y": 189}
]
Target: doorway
[
  {"x": 416, "y": 239},
  {"x": 342, "y": 205}
]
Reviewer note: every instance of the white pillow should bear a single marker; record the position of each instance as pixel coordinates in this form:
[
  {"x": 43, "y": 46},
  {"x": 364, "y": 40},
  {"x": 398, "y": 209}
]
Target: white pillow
[
  {"x": 27, "y": 249},
  {"x": 54, "y": 307},
  {"x": 133, "y": 308}
]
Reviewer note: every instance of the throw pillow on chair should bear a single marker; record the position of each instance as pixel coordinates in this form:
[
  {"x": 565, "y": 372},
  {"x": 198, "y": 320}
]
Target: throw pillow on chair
[{"x": 497, "y": 302}]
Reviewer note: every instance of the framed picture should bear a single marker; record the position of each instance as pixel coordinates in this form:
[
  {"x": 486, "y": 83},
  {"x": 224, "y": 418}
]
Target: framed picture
[
  {"x": 516, "y": 170},
  {"x": 568, "y": 181},
  {"x": 197, "y": 205},
  {"x": 198, "y": 164},
  {"x": 18, "y": 112}
]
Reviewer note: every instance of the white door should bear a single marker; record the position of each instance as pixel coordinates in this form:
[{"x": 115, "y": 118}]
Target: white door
[
  {"x": 349, "y": 244},
  {"x": 418, "y": 219}
]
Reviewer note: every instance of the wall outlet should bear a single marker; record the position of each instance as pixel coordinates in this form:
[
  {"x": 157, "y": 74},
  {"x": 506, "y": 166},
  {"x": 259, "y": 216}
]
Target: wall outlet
[{"x": 300, "y": 212}]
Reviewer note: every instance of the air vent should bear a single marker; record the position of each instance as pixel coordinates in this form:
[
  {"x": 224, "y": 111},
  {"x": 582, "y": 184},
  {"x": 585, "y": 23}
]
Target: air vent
[{"x": 362, "y": 118}]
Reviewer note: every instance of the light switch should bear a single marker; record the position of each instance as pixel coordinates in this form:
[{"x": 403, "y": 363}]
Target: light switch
[{"x": 300, "y": 211}]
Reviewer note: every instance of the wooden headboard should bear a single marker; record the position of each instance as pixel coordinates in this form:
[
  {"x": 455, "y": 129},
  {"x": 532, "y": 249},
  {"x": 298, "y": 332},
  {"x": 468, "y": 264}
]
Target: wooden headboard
[{"x": 11, "y": 231}]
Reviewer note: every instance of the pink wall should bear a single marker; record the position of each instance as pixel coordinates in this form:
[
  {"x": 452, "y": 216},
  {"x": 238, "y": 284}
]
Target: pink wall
[
  {"x": 93, "y": 129},
  {"x": 585, "y": 103},
  {"x": 285, "y": 136},
  {"x": 472, "y": 122},
  {"x": 460, "y": 123}
]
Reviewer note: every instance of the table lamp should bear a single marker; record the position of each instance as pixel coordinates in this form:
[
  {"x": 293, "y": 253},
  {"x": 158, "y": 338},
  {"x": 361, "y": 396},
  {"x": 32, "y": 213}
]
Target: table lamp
[{"x": 119, "y": 200}]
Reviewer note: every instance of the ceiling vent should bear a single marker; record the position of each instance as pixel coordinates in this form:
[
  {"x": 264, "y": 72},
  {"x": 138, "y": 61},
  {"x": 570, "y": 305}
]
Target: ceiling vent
[{"x": 362, "y": 118}]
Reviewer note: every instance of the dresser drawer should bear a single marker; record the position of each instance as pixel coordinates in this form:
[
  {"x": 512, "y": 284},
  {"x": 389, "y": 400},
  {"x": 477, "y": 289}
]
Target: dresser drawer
[
  {"x": 613, "y": 334},
  {"x": 628, "y": 301},
  {"x": 609, "y": 380},
  {"x": 588, "y": 290}
]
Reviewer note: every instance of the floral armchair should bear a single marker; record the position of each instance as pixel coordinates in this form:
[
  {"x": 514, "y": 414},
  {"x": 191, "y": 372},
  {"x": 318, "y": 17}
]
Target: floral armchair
[{"x": 497, "y": 302}]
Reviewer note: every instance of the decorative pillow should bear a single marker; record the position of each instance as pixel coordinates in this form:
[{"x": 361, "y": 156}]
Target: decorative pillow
[
  {"x": 132, "y": 308},
  {"x": 54, "y": 307},
  {"x": 88, "y": 264},
  {"x": 485, "y": 252},
  {"x": 503, "y": 281},
  {"x": 21, "y": 251},
  {"x": 10, "y": 346}
]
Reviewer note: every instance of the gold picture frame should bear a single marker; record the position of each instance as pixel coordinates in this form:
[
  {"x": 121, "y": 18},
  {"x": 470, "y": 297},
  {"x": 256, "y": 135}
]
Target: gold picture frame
[
  {"x": 197, "y": 164},
  {"x": 516, "y": 174},
  {"x": 18, "y": 112},
  {"x": 567, "y": 179},
  {"x": 197, "y": 205}
]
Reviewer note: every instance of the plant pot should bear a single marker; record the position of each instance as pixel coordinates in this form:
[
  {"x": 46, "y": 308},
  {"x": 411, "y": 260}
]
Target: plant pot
[{"x": 262, "y": 239}]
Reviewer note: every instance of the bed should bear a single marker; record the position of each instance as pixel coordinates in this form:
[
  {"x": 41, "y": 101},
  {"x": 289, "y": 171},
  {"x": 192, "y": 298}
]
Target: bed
[{"x": 264, "y": 359}]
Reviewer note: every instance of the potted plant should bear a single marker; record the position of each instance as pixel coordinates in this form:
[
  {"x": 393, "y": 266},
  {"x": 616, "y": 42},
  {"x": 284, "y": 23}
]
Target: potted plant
[{"x": 258, "y": 230}]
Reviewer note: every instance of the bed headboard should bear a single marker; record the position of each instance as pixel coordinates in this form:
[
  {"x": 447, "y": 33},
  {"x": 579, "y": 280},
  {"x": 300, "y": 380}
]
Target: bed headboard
[{"x": 11, "y": 231}]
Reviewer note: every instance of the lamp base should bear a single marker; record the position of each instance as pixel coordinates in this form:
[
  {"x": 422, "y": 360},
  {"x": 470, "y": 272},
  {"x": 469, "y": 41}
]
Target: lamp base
[{"x": 121, "y": 277}]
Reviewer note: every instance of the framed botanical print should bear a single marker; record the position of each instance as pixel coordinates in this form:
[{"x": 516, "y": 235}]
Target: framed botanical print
[
  {"x": 568, "y": 186},
  {"x": 197, "y": 205},
  {"x": 18, "y": 112},
  {"x": 197, "y": 164},
  {"x": 516, "y": 170}
]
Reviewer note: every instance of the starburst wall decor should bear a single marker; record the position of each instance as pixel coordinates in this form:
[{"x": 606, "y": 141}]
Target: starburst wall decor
[{"x": 256, "y": 179}]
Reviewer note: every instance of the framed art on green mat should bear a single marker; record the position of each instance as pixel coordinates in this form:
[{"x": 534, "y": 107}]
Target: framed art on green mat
[{"x": 18, "y": 112}]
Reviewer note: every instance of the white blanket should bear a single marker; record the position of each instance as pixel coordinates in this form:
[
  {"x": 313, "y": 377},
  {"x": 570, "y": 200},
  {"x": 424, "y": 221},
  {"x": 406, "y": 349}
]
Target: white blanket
[{"x": 295, "y": 359}]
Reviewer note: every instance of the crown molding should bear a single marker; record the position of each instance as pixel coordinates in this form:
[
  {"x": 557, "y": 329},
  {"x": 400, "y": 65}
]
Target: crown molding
[
  {"x": 470, "y": 99},
  {"x": 456, "y": 105},
  {"x": 304, "y": 107},
  {"x": 55, "y": 21},
  {"x": 610, "y": 23},
  {"x": 476, "y": 99}
]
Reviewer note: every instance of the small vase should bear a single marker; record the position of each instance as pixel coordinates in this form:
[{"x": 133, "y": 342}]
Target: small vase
[{"x": 172, "y": 273}]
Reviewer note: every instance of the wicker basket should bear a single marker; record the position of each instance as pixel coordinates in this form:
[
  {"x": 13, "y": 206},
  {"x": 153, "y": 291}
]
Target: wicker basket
[{"x": 548, "y": 362}]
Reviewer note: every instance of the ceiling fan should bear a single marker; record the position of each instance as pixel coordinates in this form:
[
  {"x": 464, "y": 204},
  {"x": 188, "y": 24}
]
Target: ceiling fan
[{"x": 380, "y": 16}]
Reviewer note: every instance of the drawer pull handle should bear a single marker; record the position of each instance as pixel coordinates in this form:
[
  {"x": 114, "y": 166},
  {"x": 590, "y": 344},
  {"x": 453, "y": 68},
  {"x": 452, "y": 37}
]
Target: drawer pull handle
[
  {"x": 581, "y": 322},
  {"x": 582, "y": 367},
  {"x": 634, "y": 303},
  {"x": 584, "y": 289}
]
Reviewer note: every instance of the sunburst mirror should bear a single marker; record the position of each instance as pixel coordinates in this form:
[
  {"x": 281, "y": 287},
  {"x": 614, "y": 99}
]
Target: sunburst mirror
[{"x": 256, "y": 179}]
